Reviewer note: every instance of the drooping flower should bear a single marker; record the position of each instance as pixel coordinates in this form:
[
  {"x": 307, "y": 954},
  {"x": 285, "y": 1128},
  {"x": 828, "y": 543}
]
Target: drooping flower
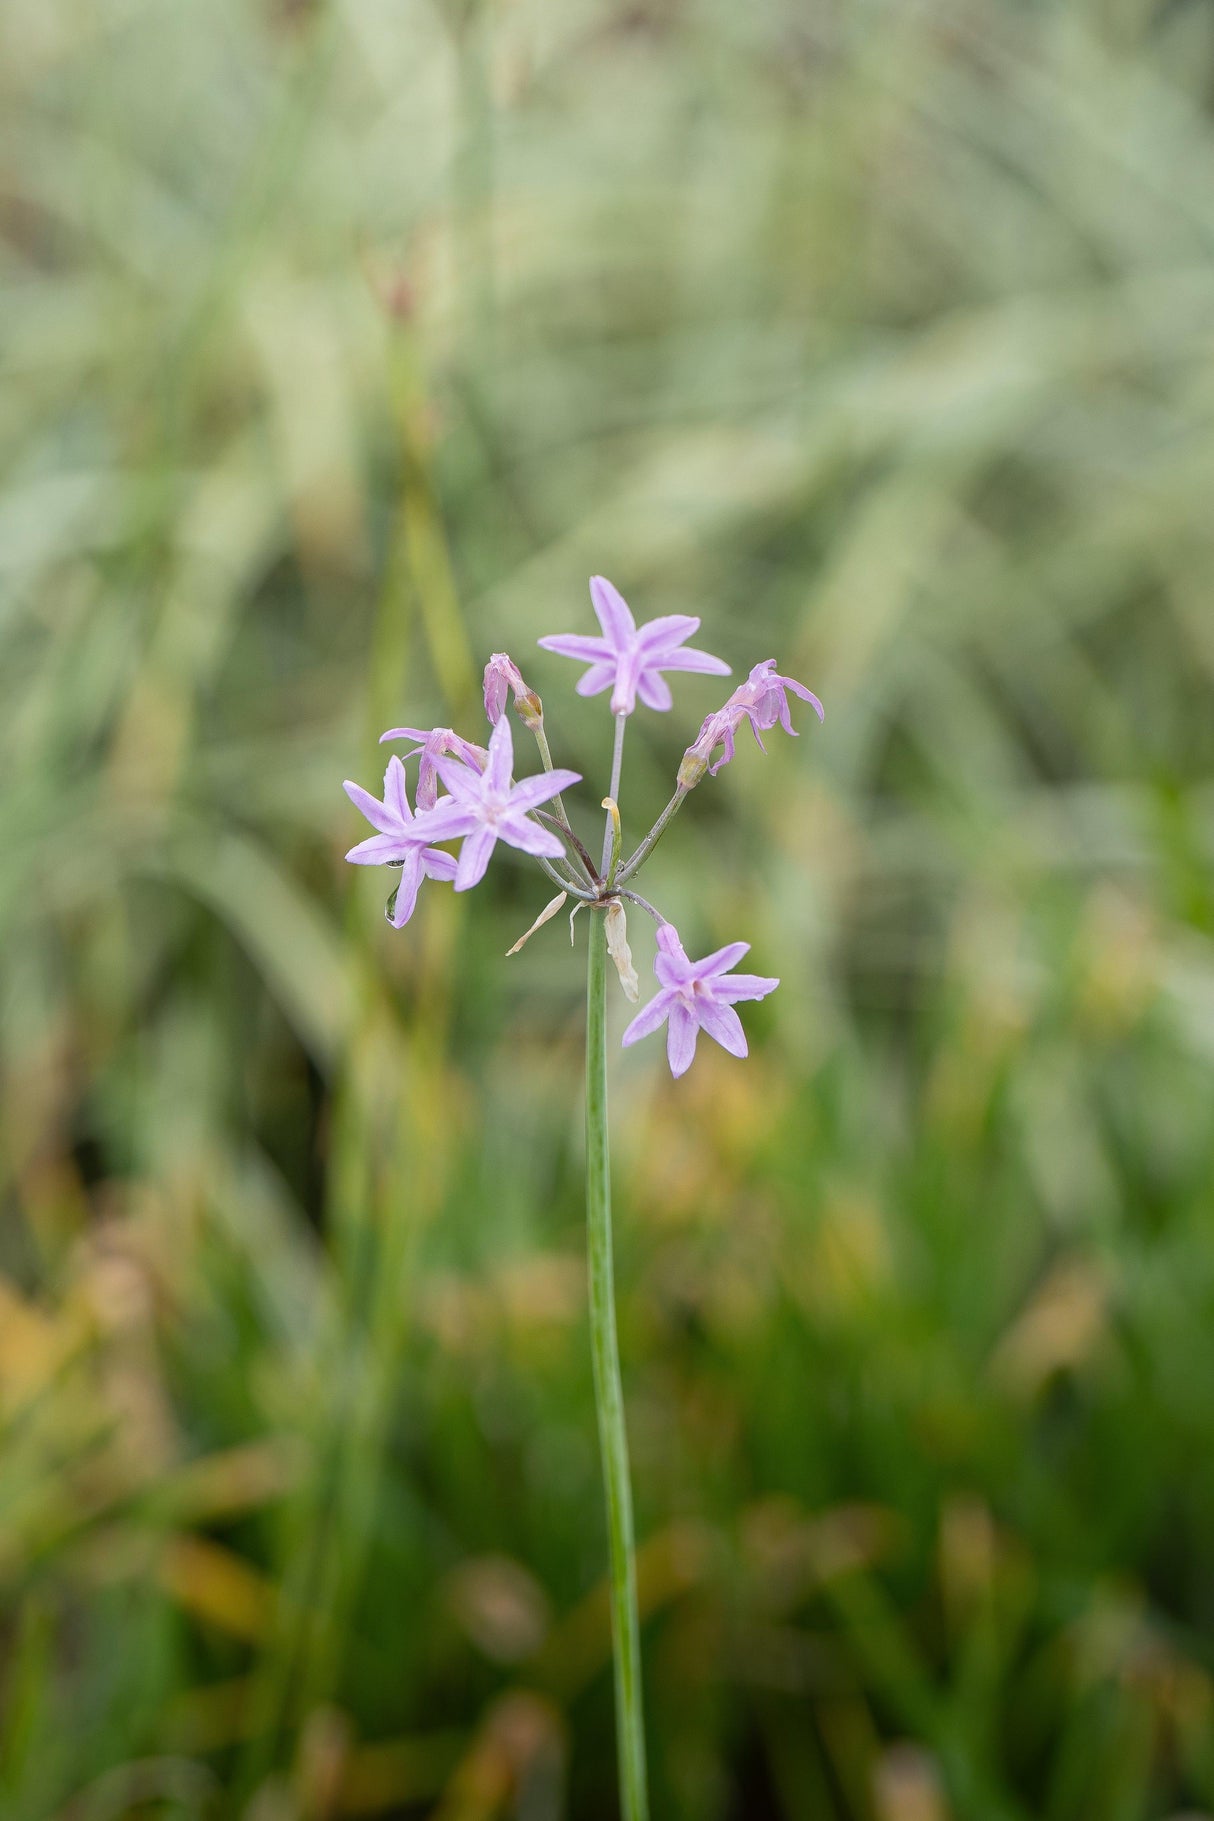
[
  {"x": 502, "y": 674},
  {"x": 629, "y": 661},
  {"x": 762, "y": 700},
  {"x": 435, "y": 743},
  {"x": 486, "y": 807},
  {"x": 697, "y": 996},
  {"x": 399, "y": 841}
]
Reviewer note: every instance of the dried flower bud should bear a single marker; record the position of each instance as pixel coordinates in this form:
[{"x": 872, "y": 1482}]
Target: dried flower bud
[
  {"x": 616, "y": 927},
  {"x": 550, "y": 909}
]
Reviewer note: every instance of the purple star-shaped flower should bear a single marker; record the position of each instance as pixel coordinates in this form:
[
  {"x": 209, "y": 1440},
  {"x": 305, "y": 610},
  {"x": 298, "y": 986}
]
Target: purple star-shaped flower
[
  {"x": 630, "y": 662},
  {"x": 697, "y": 996},
  {"x": 400, "y": 841},
  {"x": 434, "y": 743},
  {"x": 762, "y": 700},
  {"x": 486, "y": 808}
]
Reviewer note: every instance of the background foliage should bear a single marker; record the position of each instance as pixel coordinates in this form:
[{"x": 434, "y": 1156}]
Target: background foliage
[{"x": 342, "y": 342}]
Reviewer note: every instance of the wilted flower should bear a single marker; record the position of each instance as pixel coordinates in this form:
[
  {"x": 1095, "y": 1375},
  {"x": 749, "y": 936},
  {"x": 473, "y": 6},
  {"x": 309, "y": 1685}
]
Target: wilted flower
[
  {"x": 400, "y": 841},
  {"x": 435, "y": 743},
  {"x": 762, "y": 700},
  {"x": 696, "y": 996},
  {"x": 486, "y": 808},
  {"x": 501, "y": 674},
  {"x": 630, "y": 662}
]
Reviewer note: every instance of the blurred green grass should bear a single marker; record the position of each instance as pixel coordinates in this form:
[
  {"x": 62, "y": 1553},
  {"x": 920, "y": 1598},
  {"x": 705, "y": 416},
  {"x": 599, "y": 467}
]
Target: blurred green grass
[{"x": 341, "y": 344}]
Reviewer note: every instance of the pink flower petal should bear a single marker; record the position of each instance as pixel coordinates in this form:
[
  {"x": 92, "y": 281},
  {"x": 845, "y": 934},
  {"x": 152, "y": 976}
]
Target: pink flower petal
[
  {"x": 681, "y": 1032},
  {"x": 406, "y": 891},
  {"x": 445, "y": 821},
  {"x": 501, "y": 759},
  {"x": 464, "y": 784},
  {"x": 729, "y": 989},
  {"x": 613, "y": 612},
  {"x": 437, "y": 864},
  {"x": 722, "y": 1023},
  {"x": 574, "y": 645},
  {"x": 686, "y": 657},
  {"x": 420, "y": 734},
  {"x": 378, "y": 850},
  {"x": 529, "y": 793},
  {"x": 598, "y": 678},
  {"x": 667, "y": 630},
  {"x": 649, "y": 1019},
  {"x": 474, "y": 854},
  {"x": 720, "y": 960},
  {"x": 654, "y": 690},
  {"x": 396, "y": 791},
  {"x": 377, "y": 814},
  {"x": 529, "y": 837}
]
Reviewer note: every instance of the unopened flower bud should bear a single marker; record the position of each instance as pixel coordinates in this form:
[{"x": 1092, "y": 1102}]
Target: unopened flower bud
[{"x": 501, "y": 674}]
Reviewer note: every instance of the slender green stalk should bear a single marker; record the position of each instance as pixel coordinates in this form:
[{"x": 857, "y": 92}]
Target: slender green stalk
[
  {"x": 637, "y": 860},
  {"x": 541, "y": 740},
  {"x": 654, "y": 912},
  {"x": 617, "y": 764},
  {"x": 571, "y": 842},
  {"x": 609, "y": 1395},
  {"x": 565, "y": 880}
]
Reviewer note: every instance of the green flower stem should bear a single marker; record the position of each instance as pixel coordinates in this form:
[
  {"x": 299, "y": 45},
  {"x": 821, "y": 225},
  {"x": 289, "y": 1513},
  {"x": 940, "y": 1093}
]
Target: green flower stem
[
  {"x": 564, "y": 880},
  {"x": 568, "y": 879},
  {"x": 651, "y": 840},
  {"x": 617, "y": 764},
  {"x": 609, "y": 1395},
  {"x": 541, "y": 740},
  {"x": 571, "y": 842},
  {"x": 654, "y": 912}
]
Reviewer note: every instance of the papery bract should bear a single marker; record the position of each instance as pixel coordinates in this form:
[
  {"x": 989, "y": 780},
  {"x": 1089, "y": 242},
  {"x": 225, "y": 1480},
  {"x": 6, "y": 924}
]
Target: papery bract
[
  {"x": 629, "y": 661},
  {"x": 486, "y": 807},
  {"x": 399, "y": 841},
  {"x": 697, "y": 996}
]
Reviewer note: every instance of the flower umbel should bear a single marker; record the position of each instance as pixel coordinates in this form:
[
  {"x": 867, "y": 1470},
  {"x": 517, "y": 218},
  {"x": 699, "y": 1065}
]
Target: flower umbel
[
  {"x": 630, "y": 661},
  {"x": 399, "y": 842},
  {"x": 486, "y": 807},
  {"x": 697, "y": 996},
  {"x": 762, "y": 700}
]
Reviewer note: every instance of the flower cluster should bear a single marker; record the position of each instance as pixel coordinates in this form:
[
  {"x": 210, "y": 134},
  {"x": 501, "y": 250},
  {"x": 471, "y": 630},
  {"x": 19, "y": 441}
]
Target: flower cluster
[{"x": 481, "y": 804}]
